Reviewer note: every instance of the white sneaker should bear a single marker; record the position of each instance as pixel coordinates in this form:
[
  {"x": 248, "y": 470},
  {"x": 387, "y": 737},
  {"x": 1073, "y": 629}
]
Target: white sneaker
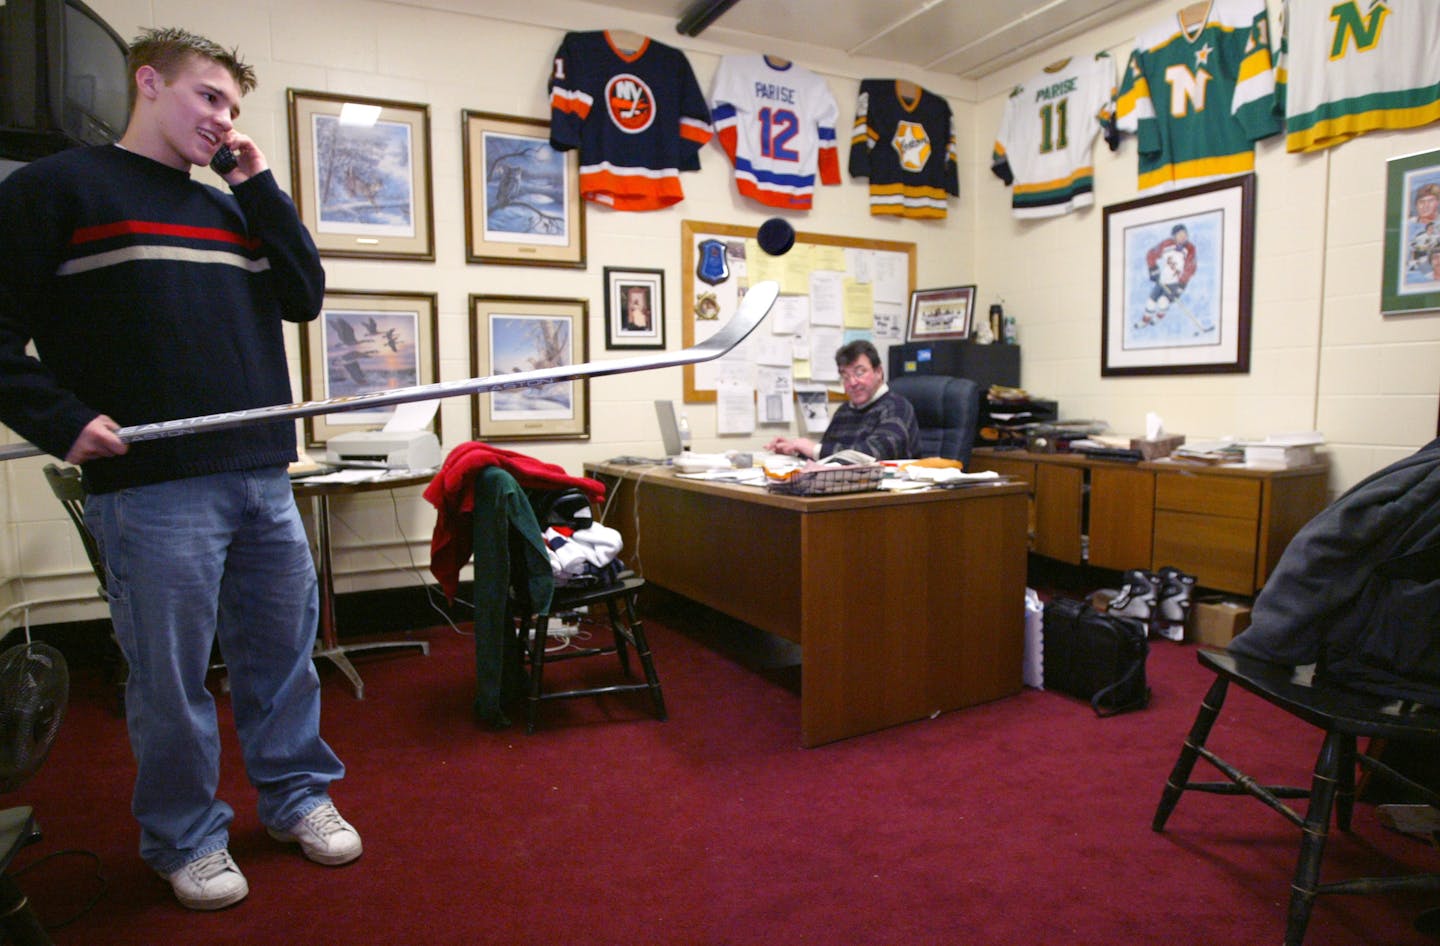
[
  {"x": 324, "y": 836},
  {"x": 212, "y": 882}
]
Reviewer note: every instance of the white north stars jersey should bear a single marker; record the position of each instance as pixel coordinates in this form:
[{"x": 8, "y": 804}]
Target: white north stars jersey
[
  {"x": 777, "y": 124},
  {"x": 1198, "y": 99},
  {"x": 1047, "y": 134},
  {"x": 1352, "y": 66}
]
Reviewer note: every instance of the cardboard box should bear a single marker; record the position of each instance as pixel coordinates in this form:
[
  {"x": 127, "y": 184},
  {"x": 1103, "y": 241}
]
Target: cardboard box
[{"x": 1215, "y": 621}]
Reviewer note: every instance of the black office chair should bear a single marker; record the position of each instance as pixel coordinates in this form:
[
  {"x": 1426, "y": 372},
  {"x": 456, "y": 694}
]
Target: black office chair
[{"x": 947, "y": 410}]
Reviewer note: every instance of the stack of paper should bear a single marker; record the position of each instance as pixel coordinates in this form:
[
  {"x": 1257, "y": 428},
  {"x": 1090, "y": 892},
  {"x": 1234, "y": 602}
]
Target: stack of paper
[{"x": 1282, "y": 451}]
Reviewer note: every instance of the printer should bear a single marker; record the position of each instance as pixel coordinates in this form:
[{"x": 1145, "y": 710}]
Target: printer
[{"x": 392, "y": 449}]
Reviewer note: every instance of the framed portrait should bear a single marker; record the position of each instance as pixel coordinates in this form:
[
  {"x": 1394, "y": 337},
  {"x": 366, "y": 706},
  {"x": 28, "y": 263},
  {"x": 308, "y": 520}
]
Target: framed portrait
[
  {"x": 1411, "y": 281},
  {"x": 1176, "y": 287},
  {"x": 941, "y": 313},
  {"x": 634, "y": 308},
  {"x": 521, "y": 333},
  {"x": 522, "y": 197},
  {"x": 360, "y": 174},
  {"x": 365, "y": 342}
]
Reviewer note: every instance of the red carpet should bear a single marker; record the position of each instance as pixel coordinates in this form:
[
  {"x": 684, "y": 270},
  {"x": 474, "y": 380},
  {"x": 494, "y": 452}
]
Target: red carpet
[{"x": 1025, "y": 821}]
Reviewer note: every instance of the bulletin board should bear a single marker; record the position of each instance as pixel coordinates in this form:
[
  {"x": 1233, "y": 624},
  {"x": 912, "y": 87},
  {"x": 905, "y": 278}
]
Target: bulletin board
[{"x": 874, "y": 279}]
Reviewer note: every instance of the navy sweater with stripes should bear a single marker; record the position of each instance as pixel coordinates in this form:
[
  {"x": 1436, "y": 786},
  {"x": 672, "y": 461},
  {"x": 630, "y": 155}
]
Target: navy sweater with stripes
[{"x": 149, "y": 296}]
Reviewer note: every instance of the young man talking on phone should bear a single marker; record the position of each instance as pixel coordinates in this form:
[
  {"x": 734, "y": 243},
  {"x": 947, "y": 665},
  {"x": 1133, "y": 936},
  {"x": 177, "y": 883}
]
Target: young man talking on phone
[{"x": 150, "y": 296}]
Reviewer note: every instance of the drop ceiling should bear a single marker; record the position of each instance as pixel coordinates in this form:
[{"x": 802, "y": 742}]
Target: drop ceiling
[{"x": 969, "y": 39}]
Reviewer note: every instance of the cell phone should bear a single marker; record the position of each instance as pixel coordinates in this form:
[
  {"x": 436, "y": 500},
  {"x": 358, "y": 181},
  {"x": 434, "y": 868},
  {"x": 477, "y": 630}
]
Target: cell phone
[{"x": 224, "y": 161}]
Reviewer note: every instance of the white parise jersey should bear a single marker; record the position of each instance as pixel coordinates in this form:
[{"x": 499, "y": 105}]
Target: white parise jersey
[
  {"x": 777, "y": 124},
  {"x": 1352, "y": 66},
  {"x": 1048, "y": 132}
]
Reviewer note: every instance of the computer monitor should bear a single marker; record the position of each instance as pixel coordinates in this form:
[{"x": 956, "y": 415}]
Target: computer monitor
[{"x": 669, "y": 428}]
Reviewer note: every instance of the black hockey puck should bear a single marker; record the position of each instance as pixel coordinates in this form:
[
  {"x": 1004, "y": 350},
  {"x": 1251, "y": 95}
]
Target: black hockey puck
[{"x": 776, "y": 236}]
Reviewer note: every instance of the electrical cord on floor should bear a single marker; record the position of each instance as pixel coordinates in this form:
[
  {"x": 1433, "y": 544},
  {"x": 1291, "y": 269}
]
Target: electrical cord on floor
[{"x": 89, "y": 904}]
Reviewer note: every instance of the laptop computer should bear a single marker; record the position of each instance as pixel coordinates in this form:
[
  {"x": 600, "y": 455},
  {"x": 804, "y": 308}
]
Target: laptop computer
[{"x": 669, "y": 429}]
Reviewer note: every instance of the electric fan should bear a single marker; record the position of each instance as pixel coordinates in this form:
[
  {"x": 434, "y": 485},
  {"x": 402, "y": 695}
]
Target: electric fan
[{"x": 34, "y": 687}]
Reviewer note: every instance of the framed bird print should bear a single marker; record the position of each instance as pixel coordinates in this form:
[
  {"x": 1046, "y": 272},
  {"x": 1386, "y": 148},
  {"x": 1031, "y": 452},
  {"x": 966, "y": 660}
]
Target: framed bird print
[
  {"x": 365, "y": 342},
  {"x": 522, "y": 197},
  {"x": 522, "y": 333}
]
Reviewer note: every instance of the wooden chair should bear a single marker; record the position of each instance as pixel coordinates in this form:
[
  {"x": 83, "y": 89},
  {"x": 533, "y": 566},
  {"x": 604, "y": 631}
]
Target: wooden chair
[
  {"x": 1343, "y": 715},
  {"x": 627, "y": 632},
  {"x": 516, "y": 598}
]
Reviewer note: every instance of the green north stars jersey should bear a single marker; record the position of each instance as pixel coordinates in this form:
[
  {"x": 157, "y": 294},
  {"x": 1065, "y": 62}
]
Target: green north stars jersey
[
  {"x": 1198, "y": 99},
  {"x": 1351, "y": 66}
]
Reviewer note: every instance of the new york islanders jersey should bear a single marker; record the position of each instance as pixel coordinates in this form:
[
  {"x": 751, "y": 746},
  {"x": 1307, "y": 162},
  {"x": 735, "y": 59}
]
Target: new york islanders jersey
[
  {"x": 1047, "y": 132},
  {"x": 638, "y": 118},
  {"x": 1198, "y": 98},
  {"x": 906, "y": 146},
  {"x": 1347, "y": 67},
  {"x": 777, "y": 124}
]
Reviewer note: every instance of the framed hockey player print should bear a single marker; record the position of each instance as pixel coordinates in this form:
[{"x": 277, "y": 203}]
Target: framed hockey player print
[
  {"x": 941, "y": 313},
  {"x": 1411, "y": 281},
  {"x": 634, "y": 308},
  {"x": 360, "y": 173},
  {"x": 1176, "y": 287},
  {"x": 521, "y": 333},
  {"x": 522, "y": 197},
  {"x": 364, "y": 342}
]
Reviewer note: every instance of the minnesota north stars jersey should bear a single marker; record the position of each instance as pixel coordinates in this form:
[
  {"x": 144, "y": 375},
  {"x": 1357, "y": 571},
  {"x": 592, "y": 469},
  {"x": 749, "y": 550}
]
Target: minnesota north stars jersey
[
  {"x": 1351, "y": 66},
  {"x": 638, "y": 118},
  {"x": 1047, "y": 132},
  {"x": 776, "y": 121},
  {"x": 906, "y": 146},
  {"x": 1198, "y": 98}
]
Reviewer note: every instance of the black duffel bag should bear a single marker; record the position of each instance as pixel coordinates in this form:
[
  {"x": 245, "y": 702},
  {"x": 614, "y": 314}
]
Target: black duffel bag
[{"x": 1097, "y": 657}]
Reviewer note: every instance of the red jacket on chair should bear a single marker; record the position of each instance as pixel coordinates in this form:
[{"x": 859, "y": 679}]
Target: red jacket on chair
[{"x": 452, "y": 493}]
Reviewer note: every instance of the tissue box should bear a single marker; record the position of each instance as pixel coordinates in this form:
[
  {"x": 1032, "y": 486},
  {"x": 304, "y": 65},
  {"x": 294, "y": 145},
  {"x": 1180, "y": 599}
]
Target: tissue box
[
  {"x": 1155, "y": 449},
  {"x": 1215, "y": 621}
]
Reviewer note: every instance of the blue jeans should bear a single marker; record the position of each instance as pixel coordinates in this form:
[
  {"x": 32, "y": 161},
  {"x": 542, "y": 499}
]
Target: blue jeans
[{"x": 185, "y": 560}]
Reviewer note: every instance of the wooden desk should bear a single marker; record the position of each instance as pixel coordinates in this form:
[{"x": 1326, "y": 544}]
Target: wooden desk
[
  {"x": 327, "y": 642},
  {"x": 903, "y": 604},
  {"x": 1227, "y": 525}
]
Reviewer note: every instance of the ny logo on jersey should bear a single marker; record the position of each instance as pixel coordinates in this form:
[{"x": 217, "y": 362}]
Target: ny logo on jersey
[
  {"x": 1349, "y": 24},
  {"x": 1186, "y": 88},
  {"x": 912, "y": 146},
  {"x": 630, "y": 103}
]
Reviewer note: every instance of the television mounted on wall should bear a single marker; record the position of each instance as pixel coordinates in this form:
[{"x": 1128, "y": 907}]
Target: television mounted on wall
[{"x": 63, "y": 80}]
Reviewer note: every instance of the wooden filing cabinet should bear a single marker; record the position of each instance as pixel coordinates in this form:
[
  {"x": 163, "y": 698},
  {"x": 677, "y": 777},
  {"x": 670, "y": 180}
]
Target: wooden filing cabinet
[{"x": 1226, "y": 525}]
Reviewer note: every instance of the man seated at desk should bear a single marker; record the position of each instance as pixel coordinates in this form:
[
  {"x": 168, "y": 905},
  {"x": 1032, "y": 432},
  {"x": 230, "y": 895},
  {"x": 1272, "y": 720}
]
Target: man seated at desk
[{"x": 876, "y": 421}]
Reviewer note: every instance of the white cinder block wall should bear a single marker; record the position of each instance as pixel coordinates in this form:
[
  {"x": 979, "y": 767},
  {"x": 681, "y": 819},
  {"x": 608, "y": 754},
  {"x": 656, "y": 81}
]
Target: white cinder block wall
[{"x": 1321, "y": 354}]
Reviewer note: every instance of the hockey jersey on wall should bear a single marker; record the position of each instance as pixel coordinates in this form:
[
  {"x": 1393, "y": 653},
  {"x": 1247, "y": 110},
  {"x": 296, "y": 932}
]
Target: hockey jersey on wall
[
  {"x": 638, "y": 118},
  {"x": 1347, "y": 67},
  {"x": 906, "y": 147},
  {"x": 1198, "y": 98},
  {"x": 1047, "y": 134},
  {"x": 776, "y": 121}
]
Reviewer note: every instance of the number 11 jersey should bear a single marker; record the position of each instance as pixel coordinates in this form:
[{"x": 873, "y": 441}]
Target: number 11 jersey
[{"x": 1048, "y": 132}]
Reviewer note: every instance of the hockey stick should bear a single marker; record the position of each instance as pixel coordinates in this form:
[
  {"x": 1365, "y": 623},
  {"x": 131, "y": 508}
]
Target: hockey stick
[
  {"x": 753, "y": 309},
  {"x": 1200, "y": 328}
]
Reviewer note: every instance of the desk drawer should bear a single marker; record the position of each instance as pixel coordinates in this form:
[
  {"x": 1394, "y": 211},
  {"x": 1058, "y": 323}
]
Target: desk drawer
[
  {"x": 1219, "y": 551},
  {"x": 1232, "y": 497}
]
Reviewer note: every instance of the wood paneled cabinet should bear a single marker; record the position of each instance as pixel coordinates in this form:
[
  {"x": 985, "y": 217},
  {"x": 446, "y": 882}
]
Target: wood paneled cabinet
[{"x": 1225, "y": 525}]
